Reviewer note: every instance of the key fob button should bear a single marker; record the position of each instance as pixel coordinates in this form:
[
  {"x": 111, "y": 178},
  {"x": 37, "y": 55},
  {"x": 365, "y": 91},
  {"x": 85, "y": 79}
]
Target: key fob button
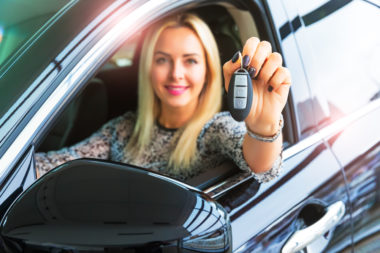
[
  {"x": 240, "y": 103},
  {"x": 240, "y": 91},
  {"x": 241, "y": 79}
]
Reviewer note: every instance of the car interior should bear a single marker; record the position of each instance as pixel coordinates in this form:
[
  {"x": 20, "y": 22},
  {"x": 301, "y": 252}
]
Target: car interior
[{"x": 113, "y": 90}]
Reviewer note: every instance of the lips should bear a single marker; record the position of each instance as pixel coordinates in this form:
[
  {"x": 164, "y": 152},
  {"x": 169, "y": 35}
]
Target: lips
[{"x": 176, "y": 89}]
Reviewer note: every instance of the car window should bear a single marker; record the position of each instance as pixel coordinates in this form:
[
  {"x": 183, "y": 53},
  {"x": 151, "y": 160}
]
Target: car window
[
  {"x": 20, "y": 20},
  {"x": 341, "y": 49},
  {"x": 115, "y": 86}
]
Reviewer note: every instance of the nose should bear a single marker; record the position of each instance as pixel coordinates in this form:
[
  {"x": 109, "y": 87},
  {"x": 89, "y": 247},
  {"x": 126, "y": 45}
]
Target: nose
[{"x": 178, "y": 70}]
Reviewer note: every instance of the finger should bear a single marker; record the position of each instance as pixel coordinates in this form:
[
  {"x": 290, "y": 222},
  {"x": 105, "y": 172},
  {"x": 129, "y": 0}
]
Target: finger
[
  {"x": 272, "y": 63},
  {"x": 249, "y": 50},
  {"x": 281, "y": 82},
  {"x": 228, "y": 69},
  {"x": 280, "y": 77},
  {"x": 283, "y": 91},
  {"x": 264, "y": 49}
]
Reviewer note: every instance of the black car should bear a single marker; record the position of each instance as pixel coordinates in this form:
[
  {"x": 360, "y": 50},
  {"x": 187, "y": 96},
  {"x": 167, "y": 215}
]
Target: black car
[{"x": 69, "y": 66}]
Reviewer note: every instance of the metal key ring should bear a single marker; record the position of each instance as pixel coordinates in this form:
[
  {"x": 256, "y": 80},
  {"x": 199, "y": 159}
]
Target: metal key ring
[{"x": 241, "y": 60}]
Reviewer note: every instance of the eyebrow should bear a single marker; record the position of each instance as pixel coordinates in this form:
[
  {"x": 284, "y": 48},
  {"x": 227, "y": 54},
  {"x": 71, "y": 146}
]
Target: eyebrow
[
  {"x": 185, "y": 55},
  {"x": 160, "y": 52}
]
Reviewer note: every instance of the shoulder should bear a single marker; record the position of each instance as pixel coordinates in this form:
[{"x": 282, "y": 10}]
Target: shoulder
[
  {"x": 128, "y": 116},
  {"x": 126, "y": 120}
]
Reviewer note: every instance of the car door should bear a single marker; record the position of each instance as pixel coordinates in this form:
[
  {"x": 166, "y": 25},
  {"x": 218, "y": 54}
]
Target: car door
[
  {"x": 339, "y": 39},
  {"x": 307, "y": 207}
]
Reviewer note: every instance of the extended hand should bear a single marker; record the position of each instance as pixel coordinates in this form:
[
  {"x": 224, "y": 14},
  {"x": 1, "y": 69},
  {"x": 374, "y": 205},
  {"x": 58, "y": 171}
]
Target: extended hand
[{"x": 270, "y": 80}]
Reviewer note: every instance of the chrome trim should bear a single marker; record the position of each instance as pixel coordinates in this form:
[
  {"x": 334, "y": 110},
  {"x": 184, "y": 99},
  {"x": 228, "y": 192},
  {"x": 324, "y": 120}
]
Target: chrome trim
[
  {"x": 77, "y": 74},
  {"x": 221, "y": 184},
  {"x": 321, "y": 135},
  {"x": 25, "y": 102},
  {"x": 210, "y": 189}
]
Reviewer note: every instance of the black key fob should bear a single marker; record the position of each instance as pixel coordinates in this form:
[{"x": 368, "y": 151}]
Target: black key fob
[{"x": 240, "y": 95}]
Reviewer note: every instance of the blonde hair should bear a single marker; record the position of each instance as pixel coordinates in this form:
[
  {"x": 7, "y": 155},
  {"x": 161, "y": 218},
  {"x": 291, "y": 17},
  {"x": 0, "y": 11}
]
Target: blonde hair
[{"x": 149, "y": 105}]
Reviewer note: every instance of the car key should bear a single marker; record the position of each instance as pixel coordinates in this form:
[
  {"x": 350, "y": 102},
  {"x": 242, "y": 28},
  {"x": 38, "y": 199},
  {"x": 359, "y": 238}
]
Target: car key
[{"x": 240, "y": 94}]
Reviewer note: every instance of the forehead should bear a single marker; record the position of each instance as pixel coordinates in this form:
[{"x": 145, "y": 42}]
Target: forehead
[{"x": 179, "y": 39}]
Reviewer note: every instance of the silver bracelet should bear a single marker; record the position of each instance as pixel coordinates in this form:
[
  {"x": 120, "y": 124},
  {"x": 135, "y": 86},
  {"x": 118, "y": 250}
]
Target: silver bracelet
[{"x": 267, "y": 139}]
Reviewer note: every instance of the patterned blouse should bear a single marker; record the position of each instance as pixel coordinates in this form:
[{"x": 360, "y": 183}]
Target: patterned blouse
[{"x": 219, "y": 140}]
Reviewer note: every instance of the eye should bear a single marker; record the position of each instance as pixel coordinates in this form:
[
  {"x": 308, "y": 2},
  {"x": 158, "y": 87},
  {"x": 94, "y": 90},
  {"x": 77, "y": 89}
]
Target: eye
[
  {"x": 191, "y": 61},
  {"x": 161, "y": 60}
]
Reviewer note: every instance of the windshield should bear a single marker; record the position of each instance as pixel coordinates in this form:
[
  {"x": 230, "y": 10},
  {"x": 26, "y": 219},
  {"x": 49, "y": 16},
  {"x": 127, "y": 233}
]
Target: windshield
[{"x": 20, "y": 20}]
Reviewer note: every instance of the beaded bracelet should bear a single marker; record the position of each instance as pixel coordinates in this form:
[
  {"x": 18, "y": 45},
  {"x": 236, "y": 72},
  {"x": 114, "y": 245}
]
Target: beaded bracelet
[{"x": 268, "y": 139}]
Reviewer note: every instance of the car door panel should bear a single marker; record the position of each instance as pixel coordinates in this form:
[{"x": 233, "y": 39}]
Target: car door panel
[
  {"x": 311, "y": 176},
  {"x": 358, "y": 149}
]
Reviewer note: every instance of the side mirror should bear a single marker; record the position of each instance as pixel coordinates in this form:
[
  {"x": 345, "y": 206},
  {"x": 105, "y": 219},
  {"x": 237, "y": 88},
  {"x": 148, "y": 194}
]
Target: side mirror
[{"x": 100, "y": 206}]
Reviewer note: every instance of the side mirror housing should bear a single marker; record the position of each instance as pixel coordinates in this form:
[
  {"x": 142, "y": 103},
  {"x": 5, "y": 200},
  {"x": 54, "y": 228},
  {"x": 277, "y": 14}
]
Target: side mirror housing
[{"x": 94, "y": 205}]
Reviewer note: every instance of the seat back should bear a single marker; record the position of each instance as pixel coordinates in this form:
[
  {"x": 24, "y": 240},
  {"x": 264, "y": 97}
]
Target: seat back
[{"x": 83, "y": 116}]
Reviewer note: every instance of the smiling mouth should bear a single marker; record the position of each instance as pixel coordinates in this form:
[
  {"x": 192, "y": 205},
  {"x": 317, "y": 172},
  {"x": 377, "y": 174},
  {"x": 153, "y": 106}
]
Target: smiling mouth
[{"x": 176, "y": 90}]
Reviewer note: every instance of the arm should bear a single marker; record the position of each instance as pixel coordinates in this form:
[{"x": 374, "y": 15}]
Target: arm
[
  {"x": 259, "y": 155},
  {"x": 271, "y": 83}
]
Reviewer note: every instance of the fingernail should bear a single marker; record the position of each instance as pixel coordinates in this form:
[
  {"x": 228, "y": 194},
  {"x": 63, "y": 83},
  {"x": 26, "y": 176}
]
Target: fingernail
[
  {"x": 270, "y": 88},
  {"x": 252, "y": 72},
  {"x": 235, "y": 57},
  {"x": 245, "y": 61}
]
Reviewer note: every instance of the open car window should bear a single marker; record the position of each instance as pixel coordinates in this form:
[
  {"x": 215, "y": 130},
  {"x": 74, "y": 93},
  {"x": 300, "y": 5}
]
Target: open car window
[{"x": 113, "y": 91}]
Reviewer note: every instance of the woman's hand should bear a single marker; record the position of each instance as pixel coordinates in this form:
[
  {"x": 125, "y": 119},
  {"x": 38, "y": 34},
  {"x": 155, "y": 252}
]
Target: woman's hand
[{"x": 270, "y": 80}]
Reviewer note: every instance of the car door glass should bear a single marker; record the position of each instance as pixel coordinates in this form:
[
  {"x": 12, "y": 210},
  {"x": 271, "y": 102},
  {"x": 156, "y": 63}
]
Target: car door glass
[
  {"x": 342, "y": 51},
  {"x": 21, "y": 20}
]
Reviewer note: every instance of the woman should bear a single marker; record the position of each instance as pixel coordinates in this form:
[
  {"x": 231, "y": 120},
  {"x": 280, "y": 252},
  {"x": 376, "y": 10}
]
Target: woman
[{"x": 177, "y": 129}]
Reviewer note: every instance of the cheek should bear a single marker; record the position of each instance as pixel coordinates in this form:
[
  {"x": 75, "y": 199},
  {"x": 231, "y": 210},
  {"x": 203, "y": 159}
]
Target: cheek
[
  {"x": 158, "y": 75},
  {"x": 198, "y": 76}
]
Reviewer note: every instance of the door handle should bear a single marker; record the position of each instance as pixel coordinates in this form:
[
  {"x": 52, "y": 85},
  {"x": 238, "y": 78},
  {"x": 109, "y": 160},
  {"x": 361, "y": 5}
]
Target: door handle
[{"x": 301, "y": 238}]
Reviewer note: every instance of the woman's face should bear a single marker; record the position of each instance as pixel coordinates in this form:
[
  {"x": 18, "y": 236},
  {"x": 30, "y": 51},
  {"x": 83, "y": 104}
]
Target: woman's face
[{"x": 179, "y": 68}]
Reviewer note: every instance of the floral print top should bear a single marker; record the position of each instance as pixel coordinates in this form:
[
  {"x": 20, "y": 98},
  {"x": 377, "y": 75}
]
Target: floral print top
[{"x": 219, "y": 140}]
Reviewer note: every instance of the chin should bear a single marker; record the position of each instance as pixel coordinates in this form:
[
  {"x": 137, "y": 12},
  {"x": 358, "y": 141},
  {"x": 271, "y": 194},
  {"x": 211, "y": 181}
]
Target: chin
[{"x": 177, "y": 103}]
